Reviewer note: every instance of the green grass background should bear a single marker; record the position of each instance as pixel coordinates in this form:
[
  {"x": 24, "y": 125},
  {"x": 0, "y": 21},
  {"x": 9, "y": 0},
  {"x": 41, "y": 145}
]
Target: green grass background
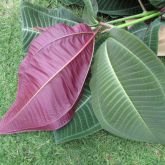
[{"x": 39, "y": 148}]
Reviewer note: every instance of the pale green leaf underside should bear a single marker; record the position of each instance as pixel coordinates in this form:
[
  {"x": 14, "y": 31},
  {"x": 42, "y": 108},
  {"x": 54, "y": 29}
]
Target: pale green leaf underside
[
  {"x": 128, "y": 89},
  {"x": 36, "y": 16},
  {"x": 84, "y": 122}
]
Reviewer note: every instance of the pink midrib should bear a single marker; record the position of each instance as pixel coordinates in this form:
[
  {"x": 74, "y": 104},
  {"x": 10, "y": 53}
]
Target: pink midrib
[{"x": 57, "y": 72}]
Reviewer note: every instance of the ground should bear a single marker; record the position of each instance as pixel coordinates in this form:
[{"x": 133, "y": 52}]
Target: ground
[{"x": 39, "y": 148}]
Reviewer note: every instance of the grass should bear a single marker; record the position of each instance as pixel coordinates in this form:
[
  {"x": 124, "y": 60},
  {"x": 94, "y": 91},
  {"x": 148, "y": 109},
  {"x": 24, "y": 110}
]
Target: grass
[{"x": 39, "y": 148}]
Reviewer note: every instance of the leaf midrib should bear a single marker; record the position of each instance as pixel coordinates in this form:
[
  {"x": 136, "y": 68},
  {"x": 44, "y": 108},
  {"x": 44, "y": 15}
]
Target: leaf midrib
[
  {"x": 122, "y": 86},
  {"x": 53, "y": 77}
]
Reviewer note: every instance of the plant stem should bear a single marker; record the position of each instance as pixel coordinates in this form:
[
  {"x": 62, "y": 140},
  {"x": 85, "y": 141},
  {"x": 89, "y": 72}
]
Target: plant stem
[
  {"x": 139, "y": 20},
  {"x": 131, "y": 17},
  {"x": 142, "y": 6}
]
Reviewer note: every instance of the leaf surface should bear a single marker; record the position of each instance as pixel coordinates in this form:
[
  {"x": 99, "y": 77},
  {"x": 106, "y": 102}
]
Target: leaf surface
[
  {"x": 128, "y": 89},
  {"x": 51, "y": 78}
]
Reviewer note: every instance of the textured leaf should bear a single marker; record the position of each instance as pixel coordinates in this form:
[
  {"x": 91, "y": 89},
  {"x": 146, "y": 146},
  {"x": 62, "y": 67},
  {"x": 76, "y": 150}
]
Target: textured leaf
[
  {"x": 128, "y": 89},
  {"x": 158, "y": 3},
  {"x": 84, "y": 122},
  {"x": 51, "y": 78},
  {"x": 36, "y": 16},
  {"x": 84, "y": 115}
]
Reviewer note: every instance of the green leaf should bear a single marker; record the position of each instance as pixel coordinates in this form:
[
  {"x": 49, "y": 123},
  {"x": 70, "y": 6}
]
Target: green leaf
[
  {"x": 90, "y": 12},
  {"x": 36, "y": 16},
  {"x": 84, "y": 122},
  {"x": 128, "y": 89},
  {"x": 158, "y": 3}
]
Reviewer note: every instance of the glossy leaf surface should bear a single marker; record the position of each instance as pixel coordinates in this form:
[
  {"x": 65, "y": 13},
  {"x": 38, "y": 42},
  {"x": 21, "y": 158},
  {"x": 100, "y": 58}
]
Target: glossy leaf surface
[
  {"x": 128, "y": 89},
  {"x": 51, "y": 78}
]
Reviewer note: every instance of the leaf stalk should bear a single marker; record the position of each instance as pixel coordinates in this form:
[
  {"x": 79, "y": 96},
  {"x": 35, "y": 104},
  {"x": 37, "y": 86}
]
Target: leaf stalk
[
  {"x": 132, "y": 17},
  {"x": 157, "y": 14}
]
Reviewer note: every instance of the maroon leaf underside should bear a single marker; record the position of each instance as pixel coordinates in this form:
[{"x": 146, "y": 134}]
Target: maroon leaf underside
[{"x": 51, "y": 78}]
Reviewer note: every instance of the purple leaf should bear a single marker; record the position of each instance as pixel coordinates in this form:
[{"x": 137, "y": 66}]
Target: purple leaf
[{"x": 51, "y": 78}]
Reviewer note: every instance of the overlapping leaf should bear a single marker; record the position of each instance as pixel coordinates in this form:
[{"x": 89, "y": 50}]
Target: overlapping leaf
[
  {"x": 84, "y": 115},
  {"x": 128, "y": 89},
  {"x": 51, "y": 78},
  {"x": 84, "y": 122},
  {"x": 36, "y": 16}
]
